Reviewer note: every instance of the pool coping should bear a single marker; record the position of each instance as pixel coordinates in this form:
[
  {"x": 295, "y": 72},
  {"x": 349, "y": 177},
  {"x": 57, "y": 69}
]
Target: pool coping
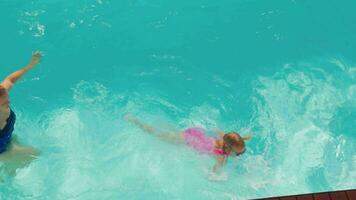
[{"x": 330, "y": 195}]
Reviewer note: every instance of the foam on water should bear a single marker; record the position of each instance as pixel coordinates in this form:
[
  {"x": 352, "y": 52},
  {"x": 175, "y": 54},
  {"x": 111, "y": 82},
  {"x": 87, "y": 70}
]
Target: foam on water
[
  {"x": 302, "y": 142},
  {"x": 294, "y": 110}
]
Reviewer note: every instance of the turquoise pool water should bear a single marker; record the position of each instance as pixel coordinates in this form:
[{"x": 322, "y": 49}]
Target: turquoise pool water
[{"x": 284, "y": 70}]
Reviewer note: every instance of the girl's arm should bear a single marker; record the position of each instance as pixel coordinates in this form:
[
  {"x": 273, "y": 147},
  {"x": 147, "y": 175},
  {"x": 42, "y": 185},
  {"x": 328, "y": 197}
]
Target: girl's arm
[
  {"x": 220, "y": 162},
  {"x": 247, "y": 137},
  {"x": 214, "y": 175},
  {"x": 12, "y": 78},
  {"x": 168, "y": 136},
  {"x": 140, "y": 124}
]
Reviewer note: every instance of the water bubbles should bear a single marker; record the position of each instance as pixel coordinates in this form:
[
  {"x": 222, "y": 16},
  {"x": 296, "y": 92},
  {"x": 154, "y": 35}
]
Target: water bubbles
[
  {"x": 30, "y": 19},
  {"x": 39, "y": 30},
  {"x": 88, "y": 92},
  {"x": 72, "y": 25},
  {"x": 277, "y": 36},
  {"x": 34, "y": 13}
]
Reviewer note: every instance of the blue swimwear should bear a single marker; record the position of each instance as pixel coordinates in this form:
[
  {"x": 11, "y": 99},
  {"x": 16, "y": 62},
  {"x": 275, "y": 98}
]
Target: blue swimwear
[{"x": 6, "y": 132}]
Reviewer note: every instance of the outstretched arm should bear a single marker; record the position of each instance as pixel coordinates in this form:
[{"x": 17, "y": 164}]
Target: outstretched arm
[
  {"x": 167, "y": 136},
  {"x": 247, "y": 137},
  {"x": 220, "y": 162},
  {"x": 215, "y": 175},
  {"x": 140, "y": 124},
  {"x": 12, "y": 78}
]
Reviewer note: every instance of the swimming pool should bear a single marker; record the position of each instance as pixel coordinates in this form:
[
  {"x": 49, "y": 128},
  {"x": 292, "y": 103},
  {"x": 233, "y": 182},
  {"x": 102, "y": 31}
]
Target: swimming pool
[{"x": 284, "y": 70}]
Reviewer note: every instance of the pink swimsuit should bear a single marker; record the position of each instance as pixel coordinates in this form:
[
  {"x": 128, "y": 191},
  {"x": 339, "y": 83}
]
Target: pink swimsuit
[{"x": 198, "y": 140}]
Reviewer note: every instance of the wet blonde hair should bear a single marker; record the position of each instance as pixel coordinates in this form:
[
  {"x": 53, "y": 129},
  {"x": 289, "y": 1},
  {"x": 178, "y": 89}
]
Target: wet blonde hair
[{"x": 235, "y": 139}]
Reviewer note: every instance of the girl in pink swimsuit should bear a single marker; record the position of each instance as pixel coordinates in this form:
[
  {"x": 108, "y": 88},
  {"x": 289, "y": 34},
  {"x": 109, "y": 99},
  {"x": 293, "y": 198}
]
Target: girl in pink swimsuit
[{"x": 222, "y": 147}]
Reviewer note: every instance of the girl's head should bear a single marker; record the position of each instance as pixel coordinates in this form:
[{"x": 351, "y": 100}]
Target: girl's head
[{"x": 234, "y": 143}]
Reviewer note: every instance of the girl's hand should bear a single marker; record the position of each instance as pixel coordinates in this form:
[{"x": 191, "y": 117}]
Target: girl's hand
[
  {"x": 247, "y": 137},
  {"x": 36, "y": 57},
  {"x": 217, "y": 177}
]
